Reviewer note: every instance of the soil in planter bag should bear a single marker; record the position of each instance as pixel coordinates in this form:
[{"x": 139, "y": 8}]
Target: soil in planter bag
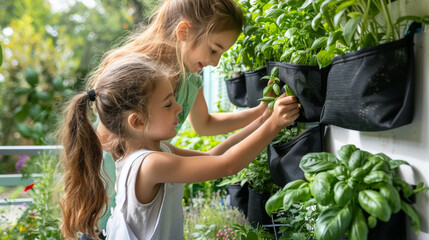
[
  {"x": 255, "y": 86},
  {"x": 284, "y": 158},
  {"x": 372, "y": 89},
  {"x": 236, "y": 88},
  {"x": 309, "y": 85},
  {"x": 239, "y": 196}
]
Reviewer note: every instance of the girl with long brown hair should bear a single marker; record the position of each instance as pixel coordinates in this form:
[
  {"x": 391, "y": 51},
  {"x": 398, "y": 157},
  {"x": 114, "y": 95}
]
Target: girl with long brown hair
[{"x": 134, "y": 99}]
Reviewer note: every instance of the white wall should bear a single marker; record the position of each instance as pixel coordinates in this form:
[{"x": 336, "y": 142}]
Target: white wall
[{"x": 410, "y": 142}]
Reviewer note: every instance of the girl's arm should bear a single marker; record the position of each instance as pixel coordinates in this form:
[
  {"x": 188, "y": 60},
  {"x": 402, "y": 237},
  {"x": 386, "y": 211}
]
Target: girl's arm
[
  {"x": 208, "y": 124},
  {"x": 227, "y": 158}
]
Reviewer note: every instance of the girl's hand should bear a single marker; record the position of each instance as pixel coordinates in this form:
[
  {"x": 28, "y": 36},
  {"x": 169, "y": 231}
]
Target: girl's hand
[{"x": 285, "y": 112}]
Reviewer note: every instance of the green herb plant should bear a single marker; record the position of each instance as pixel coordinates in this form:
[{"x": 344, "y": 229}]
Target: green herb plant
[
  {"x": 298, "y": 222},
  {"x": 274, "y": 88},
  {"x": 358, "y": 24},
  {"x": 41, "y": 218},
  {"x": 352, "y": 192}
]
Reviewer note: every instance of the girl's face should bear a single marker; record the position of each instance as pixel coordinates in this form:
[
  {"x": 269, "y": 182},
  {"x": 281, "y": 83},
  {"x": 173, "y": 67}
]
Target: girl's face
[
  {"x": 163, "y": 113},
  {"x": 209, "y": 52}
]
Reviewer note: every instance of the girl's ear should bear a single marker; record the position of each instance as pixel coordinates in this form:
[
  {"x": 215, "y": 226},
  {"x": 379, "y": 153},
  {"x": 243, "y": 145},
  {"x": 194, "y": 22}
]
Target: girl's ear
[
  {"x": 182, "y": 30},
  {"x": 135, "y": 122}
]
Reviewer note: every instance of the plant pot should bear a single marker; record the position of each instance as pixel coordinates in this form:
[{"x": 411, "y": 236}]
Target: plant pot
[
  {"x": 284, "y": 158},
  {"x": 239, "y": 196},
  {"x": 255, "y": 86},
  {"x": 372, "y": 89},
  {"x": 309, "y": 85},
  {"x": 236, "y": 88},
  {"x": 256, "y": 213}
]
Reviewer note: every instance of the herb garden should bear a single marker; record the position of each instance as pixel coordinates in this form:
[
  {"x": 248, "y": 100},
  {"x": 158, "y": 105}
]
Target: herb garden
[{"x": 350, "y": 63}]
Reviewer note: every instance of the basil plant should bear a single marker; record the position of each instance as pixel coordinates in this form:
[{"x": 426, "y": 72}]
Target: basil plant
[{"x": 352, "y": 192}]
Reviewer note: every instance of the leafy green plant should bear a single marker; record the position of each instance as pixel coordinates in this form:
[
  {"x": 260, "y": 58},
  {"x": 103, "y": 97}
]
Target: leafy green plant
[
  {"x": 230, "y": 64},
  {"x": 358, "y": 24},
  {"x": 298, "y": 222},
  {"x": 252, "y": 37},
  {"x": 41, "y": 218},
  {"x": 257, "y": 174},
  {"x": 205, "y": 216},
  {"x": 346, "y": 189},
  {"x": 274, "y": 87}
]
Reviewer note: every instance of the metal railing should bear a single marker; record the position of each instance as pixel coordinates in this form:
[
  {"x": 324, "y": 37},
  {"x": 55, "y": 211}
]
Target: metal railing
[{"x": 16, "y": 179}]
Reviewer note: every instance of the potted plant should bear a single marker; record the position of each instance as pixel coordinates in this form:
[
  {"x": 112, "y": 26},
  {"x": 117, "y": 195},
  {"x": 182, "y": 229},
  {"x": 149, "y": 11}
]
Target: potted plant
[
  {"x": 353, "y": 193},
  {"x": 372, "y": 75},
  {"x": 250, "y": 54},
  {"x": 291, "y": 44},
  {"x": 232, "y": 70},
  {"x": 260, "y": 189}
]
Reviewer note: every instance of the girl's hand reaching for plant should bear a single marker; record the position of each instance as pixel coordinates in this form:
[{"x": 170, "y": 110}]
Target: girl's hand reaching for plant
[{"x": 285, "y": 111}]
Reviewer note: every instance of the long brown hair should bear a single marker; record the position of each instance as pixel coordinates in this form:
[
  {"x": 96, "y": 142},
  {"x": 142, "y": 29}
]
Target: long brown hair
[
  {"x": 159, "y": 39},
  {"x": 124, "y": 86}
]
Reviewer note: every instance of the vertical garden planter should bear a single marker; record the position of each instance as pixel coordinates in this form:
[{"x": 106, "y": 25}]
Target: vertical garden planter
[
  {"x": 239, "y": 196},
  {"x": 256, "y": 213},
  {"x": 309, "y": 85},
  {"x": 236, "y": 88},
  {"x": 284, "y": 158},
  {"x": 255, "y": 86},
  {"x": 372, "y": 89}
]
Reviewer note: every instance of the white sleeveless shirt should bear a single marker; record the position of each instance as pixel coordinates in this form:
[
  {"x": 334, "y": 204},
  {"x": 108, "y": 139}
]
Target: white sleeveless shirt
[{"x": 160, "y": 219}]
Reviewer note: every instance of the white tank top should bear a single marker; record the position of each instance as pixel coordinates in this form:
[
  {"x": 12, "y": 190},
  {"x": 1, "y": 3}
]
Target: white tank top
[{"x": 160, "y": 219}]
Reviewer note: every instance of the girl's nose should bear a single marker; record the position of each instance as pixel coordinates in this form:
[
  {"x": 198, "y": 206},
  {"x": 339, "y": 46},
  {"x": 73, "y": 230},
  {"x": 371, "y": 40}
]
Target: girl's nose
[
  {"x": 214, "y": 61},
  {"x": 178, "y": 107}
]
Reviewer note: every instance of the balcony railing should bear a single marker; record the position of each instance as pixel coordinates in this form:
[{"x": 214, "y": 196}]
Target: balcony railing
[{"x": 16, "y": 179}]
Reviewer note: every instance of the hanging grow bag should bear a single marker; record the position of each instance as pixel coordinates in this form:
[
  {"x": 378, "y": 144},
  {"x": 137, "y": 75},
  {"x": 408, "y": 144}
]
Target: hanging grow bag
[
  {"x": 236, "y": 88},
  {"x": 309, "y": 85},
  {"x": 372, "y": 89},
  {"x": 255, "y": 86},
  {"x": 239, "y": 196},
  {"x": 284, "y": 158}
]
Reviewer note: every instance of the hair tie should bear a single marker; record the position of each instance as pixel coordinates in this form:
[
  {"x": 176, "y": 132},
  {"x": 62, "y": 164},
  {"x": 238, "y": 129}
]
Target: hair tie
[{"x": 91, "y": 95}]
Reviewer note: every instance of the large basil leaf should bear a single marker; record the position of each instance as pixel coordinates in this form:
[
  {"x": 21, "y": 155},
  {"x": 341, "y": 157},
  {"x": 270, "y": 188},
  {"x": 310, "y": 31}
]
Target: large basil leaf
[
  {"x": 358, "y": 159},
  {"x": 413, "y": 216},
  {"x": 333, "y": 222},
  {"x": 318, "y": 162},
  {"x": 295, "y": 195},
  {"x": 377, "y": 176},
  {"x": 275, "y": 202},
  {"x": 345, "y": 152},
  {"x": 396, "y": 163},
  {"x": 392, "y": 196},
  {"x": 358, "y": 229},
  {"x": 375, "y": 204},
  {"x": 321, "y": 188},
  {"x": 342, "y": 193}
]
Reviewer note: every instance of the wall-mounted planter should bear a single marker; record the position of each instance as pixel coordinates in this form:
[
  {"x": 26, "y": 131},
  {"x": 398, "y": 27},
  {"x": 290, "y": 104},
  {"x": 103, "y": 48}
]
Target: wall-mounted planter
[
  {"x": 239, "y": 196},
  {"x": 372, "y": 89},
  {"x": 284, "y": 158},
  {"x": 255, "y": 86},
  {"x": 309, "y": 85},
  {"x": 256, "y": 213},
  {"x": 236, "y": 88}
]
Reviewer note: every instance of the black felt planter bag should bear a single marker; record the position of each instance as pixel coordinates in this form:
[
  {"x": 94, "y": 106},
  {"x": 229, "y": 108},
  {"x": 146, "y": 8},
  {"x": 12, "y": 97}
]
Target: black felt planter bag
[
  {"x": 256, "y": 213},
  {"x": 239, "y": 196},
  {"x": 309, "y": 85},
  {"x": 255, "y": 86},
  {"x": 236, "y": 88},
  {"x": 284, "y": 158},
  {"x": 372, "y": 89}
]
